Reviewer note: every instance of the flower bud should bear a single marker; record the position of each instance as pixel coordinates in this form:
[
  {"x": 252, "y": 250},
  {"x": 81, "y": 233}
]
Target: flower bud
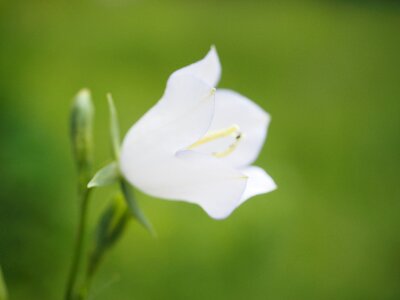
[
  {"x": 109, "y": 230},
  {"x": 81, "y": 134}
]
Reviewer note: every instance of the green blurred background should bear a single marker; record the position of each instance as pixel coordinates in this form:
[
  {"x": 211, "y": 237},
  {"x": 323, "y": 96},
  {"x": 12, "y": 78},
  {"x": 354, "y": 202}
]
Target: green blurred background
[{"x": 327, "y": 71}]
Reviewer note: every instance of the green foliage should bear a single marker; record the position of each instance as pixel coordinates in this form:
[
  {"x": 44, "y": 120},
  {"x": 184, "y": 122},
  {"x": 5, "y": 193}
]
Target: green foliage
[{"x": 114, "y": 219}]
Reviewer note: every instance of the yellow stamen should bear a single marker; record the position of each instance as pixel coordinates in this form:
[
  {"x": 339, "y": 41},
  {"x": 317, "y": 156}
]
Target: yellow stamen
[
  {"x": 231, "y": 147},
  {"x": 233, "y": 131}
]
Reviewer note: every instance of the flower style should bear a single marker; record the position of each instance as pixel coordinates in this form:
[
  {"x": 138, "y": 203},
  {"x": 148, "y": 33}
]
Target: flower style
[{"x": 197, "y": 143}]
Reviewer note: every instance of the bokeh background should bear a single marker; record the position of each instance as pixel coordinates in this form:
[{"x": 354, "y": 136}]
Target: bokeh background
[{"x": 327, "y": 71}]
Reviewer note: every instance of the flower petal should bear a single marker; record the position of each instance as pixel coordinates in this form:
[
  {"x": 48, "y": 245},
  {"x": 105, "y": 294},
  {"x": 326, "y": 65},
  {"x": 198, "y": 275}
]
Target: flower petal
[
  {"x": 187, "y": 176},
  {"x": 259, "y": 182},
  {"x": 181, "y": 117},
  {"x": 232, "y": 108},
  {"x": 208, "y": 69}
]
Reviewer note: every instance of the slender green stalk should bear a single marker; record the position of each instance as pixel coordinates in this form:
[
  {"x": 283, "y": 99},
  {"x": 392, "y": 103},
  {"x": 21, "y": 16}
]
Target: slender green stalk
[
  {"x": 3, "y": 288},
  {"x": 77, "y": 255}
]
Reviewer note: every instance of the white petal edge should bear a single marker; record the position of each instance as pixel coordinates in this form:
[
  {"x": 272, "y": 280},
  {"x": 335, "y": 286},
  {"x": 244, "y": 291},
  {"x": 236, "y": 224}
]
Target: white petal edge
[
  {"x": 207, "y": 69},
  {"x": 259, "y": 182},
  {"x": 232, "y": 108},
  {"x": 191, "y": 177}
]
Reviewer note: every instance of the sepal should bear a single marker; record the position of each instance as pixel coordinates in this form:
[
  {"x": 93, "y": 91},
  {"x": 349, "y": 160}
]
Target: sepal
[
  {"x": 114, "y": 127},
  {"x": 134, "y": 208},
  {"x": 105, "y": 176}
]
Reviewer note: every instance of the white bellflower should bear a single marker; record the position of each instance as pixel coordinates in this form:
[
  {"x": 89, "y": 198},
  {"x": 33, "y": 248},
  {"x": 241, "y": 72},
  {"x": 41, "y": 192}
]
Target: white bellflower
[{"x": 197, "y": 143}]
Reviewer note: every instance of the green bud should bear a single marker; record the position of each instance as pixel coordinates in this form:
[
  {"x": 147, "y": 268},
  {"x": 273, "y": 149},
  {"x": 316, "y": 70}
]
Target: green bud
[
  {"x": 109, "y": 230},
  {"x": 81, "y": 133}
]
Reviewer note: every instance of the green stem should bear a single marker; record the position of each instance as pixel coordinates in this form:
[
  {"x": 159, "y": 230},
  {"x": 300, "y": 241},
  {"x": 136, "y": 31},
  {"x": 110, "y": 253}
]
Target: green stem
[
  {"x": 76, "y": 259},
  {"x": 3, "y": 288}
]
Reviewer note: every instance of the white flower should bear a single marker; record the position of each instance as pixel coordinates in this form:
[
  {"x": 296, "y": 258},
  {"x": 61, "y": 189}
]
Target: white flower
[{"x": 197, "y": 144}]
